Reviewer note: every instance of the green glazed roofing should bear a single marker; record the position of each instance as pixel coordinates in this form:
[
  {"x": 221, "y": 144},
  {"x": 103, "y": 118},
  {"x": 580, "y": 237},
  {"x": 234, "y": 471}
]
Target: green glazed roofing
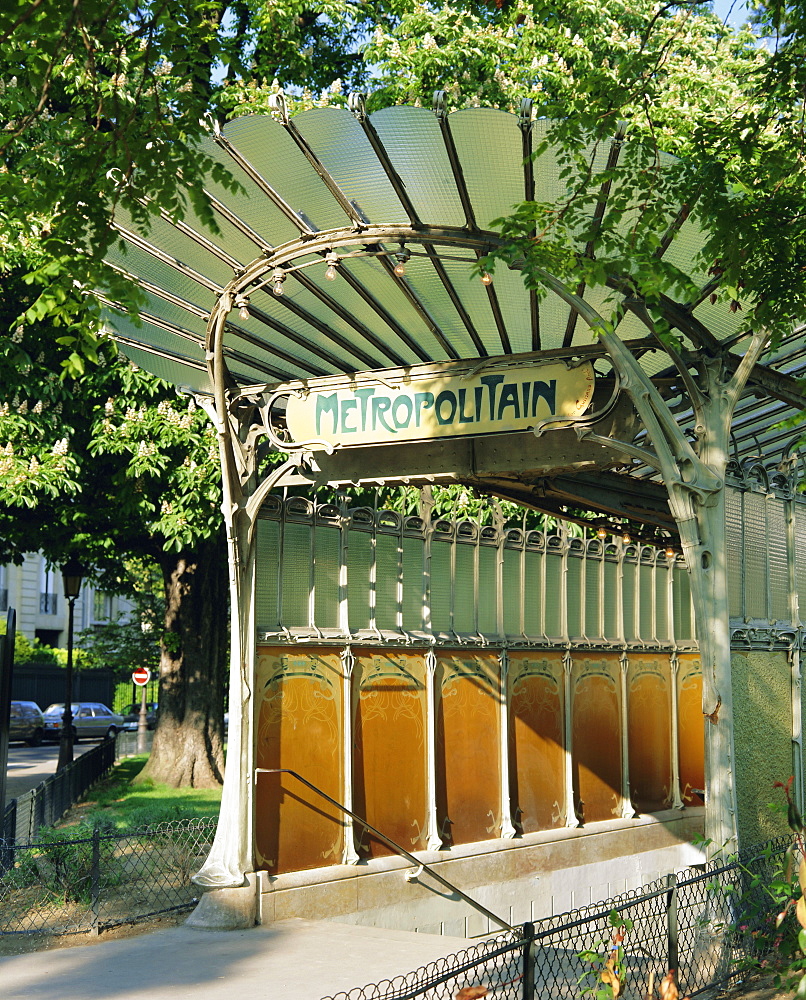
[{"x": 362, "y": 194}]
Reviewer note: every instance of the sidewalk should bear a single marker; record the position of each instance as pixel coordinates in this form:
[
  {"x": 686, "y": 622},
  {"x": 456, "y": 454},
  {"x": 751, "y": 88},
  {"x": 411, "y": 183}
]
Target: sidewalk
[{"x": 289, "y": 960}]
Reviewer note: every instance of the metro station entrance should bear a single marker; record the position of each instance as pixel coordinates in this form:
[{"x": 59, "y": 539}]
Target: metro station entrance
[{"x": 500, "y": 681}]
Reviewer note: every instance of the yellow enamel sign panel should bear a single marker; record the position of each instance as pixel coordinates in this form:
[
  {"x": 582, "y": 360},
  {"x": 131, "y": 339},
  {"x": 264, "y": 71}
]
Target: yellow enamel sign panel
[{"x": 428, "y": 404}]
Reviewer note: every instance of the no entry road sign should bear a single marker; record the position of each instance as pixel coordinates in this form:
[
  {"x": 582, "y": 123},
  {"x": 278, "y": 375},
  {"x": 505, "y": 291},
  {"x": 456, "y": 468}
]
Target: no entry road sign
[{"x": 141, "y": 676}]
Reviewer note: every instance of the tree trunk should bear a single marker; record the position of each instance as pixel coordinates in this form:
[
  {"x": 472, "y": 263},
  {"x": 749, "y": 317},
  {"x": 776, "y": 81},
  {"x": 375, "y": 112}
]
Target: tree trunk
[{"x": 188, "y": 748}]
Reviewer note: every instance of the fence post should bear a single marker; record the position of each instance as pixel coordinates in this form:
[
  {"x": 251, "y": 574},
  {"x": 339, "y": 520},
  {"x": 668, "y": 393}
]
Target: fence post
[
  {"x": 9, "y": 836},
  {"x": 95, "y": 878},
  {"x": 671, "y": 923},
  {"x": 528, "y": 961}
]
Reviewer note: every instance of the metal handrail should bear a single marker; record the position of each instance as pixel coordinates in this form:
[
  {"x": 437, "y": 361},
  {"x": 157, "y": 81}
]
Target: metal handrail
[{"x": 391, "y": 843}]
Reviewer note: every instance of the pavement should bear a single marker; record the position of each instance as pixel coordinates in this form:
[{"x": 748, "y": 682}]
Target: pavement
[
  {"x": 28, "y": 766},
  {"x": 287, "y": 960}
]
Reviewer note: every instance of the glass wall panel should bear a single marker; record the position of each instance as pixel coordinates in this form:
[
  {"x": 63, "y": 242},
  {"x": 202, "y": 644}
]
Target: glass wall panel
[
  {"x": 464, "y": 611},
  {"x": 267, "y": 562},
  {"x": 387, "y": 575},
  {"x": 296, "y": 574},
  {"x": 755, "y": 555},
  {"x": 593, "y": 597},
  {"x": 359, "y": 569},
  {"x": 735, "y": 551},
  {"x": 512, "y": 592},
  {"x": 440, "y": 586},
  {"x": 611, "y": 589},
  {"x": 553, "y": 594},
  {"x": 533, "y": 596},
  {"x": 327, "y": 544},
  {"x": 413, "y": 580},
  {"x": 488, "y": 608},
  {"x": 574, "y": 595}
]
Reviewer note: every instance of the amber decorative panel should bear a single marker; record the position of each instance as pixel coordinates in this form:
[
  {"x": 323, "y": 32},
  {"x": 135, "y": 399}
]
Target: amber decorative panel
[
  {"x": 536, "y": 748},
  {"x": 298, "y": 704},
  {"x": 468, "y": 741},
  {"x": 389, "y": 759},
  {"x": 691, "y": 728},
  {"x": 649, "y": 728},
  {"x": 596, "y": 737}
]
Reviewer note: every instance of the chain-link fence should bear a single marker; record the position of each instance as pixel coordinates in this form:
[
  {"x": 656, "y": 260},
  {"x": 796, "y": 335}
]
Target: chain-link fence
[
  {"x": 58, "y": 885},
  {"x": 705, "y": 923}
]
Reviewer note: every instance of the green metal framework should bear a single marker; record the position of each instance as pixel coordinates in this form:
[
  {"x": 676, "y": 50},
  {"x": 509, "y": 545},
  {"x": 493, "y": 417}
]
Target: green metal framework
[{"x": 351, "y": 244}]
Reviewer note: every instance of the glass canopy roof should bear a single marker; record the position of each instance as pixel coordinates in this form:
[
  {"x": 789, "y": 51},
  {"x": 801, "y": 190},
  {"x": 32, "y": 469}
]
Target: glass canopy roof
[{"x": 349, "y": 245}]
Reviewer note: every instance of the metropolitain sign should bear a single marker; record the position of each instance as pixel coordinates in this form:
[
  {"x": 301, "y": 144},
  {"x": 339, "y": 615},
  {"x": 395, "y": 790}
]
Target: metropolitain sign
[{"x": 460, "y": 399}]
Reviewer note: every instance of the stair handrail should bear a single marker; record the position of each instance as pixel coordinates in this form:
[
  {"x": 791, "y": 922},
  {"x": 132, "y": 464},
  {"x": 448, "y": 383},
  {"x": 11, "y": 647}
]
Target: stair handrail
[{"x": 416, "y": 862}]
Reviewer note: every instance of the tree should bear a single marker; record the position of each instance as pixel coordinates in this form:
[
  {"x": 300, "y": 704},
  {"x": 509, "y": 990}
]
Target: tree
[
  {"x": 131, "y": 471},
  {"x": 102, "y": 106}
]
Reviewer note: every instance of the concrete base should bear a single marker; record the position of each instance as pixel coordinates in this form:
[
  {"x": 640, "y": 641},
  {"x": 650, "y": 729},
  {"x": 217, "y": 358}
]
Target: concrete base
[
  {"x": 227, "y": 909},
  {"x": 528, "y": 878}
]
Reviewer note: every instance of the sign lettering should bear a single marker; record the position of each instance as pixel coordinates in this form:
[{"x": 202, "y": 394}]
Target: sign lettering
[{"x": 429, "y": 405}]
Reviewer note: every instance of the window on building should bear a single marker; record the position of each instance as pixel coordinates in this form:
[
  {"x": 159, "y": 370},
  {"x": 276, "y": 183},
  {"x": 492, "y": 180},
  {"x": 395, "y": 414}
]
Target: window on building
[
  {"x": 48, "y": 636},
  {"x": 48, "y": 594},
  {"x": 101, "y": 606}
]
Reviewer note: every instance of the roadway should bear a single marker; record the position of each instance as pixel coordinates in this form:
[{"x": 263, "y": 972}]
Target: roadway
[{"x": 27, "y": 766}]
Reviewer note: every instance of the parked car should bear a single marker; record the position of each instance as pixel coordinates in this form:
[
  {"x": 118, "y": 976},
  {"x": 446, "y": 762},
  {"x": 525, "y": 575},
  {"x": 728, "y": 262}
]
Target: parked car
[
  {"x": 131, "y": 715},
  {"x": 91, "y": 720},
  {"x": 26, "y": 722}
]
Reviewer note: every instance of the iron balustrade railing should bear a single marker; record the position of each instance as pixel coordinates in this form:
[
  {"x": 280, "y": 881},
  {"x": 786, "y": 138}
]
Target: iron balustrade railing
[
  {"x": 705, "y": 923},
  {"x": 421, "y": 866},
  {"x": 48, "y": 603},
  {"x": 50, "y": 800}
]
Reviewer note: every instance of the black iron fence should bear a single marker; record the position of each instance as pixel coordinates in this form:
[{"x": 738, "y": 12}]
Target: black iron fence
[
  {"x": 706, "y": 923},
  {"x": 50, "y": 800},
  {"x": 57, "y": 885}
]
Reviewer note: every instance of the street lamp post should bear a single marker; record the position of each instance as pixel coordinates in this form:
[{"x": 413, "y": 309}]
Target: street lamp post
[{"x": 72, "y": 573}]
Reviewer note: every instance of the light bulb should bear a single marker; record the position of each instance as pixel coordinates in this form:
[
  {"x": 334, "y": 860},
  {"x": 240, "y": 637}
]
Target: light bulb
[
  {"x": 486, "y": 278},
  {"x": 278, "y": 287},
  {"x": 601, "y": 534},
  {"x": 670, "y": 553},
  {"x": 243, "y": 312},
  {"x": 402, "y": 259},
  {"x": 330, "y": 273},
  {"x": 626, "y": 538}
]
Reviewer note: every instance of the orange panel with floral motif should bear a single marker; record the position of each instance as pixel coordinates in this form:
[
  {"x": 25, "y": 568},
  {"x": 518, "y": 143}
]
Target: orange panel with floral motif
[
  {"x": 536, "y": 747},
  {"x": 596, "y": 736},
  {"x": 649, "y": 702},
  {"x": 691, "y": 731},
  {"x": 389, "y": 761},
  {"x": 468, "y": 747},
  {"x": 299, "y": 712}
]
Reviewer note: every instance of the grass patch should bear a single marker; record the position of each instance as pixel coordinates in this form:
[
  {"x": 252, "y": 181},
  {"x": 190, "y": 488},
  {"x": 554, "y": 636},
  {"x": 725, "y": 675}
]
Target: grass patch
[{"x": 115, "y": 803}]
